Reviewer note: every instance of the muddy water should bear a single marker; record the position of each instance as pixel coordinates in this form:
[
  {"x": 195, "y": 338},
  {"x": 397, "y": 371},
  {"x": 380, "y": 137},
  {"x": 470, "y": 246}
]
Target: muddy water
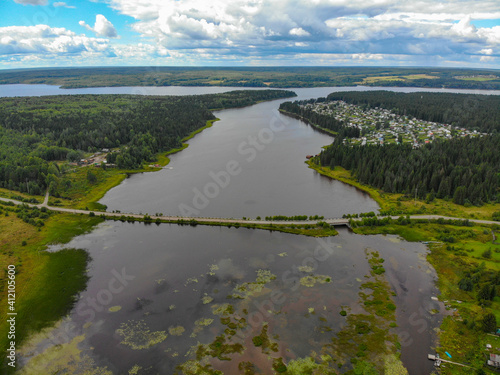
[{"x": 160, "y": 278}]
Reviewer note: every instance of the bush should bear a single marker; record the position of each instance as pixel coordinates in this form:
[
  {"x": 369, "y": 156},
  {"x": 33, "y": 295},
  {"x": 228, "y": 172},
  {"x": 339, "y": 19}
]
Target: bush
[
  {"x": 489, "y": 323},
  {"x": 486, "y": 254},
  {"x": 496, "y": 216},
  {"x": 257, "y": 341}
]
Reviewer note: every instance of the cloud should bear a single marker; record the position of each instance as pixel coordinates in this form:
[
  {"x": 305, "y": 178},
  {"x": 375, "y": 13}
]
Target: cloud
[
  {"x": 31, "y": 2},
  {"x": 46, "y": 41},
  {"x": 465, "y": 28},
  {"x": 62, "y": 4},
  {"x": 102, "y": 27},
  {"x": 344, "y": 31},
  {"x": 487, "y": 58},
  {"x": 298, "y": 31},
  {"x": 486, "y": 51},
  {"x": 334, "y": 23},
  {"x": 366, "y": 56}
]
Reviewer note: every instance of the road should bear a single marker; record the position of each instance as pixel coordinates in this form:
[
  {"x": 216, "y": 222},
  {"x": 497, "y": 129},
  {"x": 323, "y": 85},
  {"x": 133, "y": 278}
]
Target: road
[{"x": 332, "y": 221}]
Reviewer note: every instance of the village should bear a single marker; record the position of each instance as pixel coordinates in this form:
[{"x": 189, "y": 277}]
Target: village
[{"x": 381, "y": 126}]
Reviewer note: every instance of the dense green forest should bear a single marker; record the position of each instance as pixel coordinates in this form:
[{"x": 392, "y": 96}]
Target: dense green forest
[
  {"x": 37, "y": 131},
  {"x": 463, "y": 169},
  {"x": 475, "y": 112},
  {"x": 255, "y": 77},
  {"x": 324, "y": 121}
]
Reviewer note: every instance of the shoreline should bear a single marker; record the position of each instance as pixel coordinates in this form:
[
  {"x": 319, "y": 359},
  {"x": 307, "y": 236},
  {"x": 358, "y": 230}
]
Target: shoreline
[{"x": 313, "y": 125}]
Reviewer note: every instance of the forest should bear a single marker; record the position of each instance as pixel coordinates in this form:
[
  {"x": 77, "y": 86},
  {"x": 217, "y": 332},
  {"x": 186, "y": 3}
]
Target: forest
[
  {"x": 465, "y": 170},
  {"x": 469, "y": 111},
  {"x": 279, "y": 77},
  {"x": 37, "y": 132}
]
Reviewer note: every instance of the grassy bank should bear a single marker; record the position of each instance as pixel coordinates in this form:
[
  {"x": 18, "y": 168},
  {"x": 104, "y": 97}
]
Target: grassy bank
[
  {"x": 46, "y": 283},
  {"x": 396, "y": 204},
  {"x": 458, "y": 253}
]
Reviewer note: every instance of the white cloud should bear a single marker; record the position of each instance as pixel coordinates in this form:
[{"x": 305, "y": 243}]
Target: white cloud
[
  {"x": 486, "y": 51},
  {"x": 102, "y": 27},
  {"x": 44, "y": 40},
  {"x": 350, "y": 31},
  {"x": 298, "y": 31},
  {"x": 58, "y": 4},
  {"x": 465, "y": 28},
  {"x": 31, "y": 2},
  {"x": 366, "y": 56},
  {"x": 487, "y": 58}
]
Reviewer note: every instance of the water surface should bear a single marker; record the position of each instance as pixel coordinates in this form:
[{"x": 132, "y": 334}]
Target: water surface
[{"x": 172, "y": 276}]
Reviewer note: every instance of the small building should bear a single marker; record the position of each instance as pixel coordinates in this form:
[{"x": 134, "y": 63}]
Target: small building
[{"x": 494, "y": 360}]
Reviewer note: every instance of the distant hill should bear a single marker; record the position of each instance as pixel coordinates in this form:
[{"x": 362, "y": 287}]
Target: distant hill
[{"x": 280, "y": 77}]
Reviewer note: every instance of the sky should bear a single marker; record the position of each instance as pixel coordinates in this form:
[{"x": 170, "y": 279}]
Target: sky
[{"x": 47, "y": 33}]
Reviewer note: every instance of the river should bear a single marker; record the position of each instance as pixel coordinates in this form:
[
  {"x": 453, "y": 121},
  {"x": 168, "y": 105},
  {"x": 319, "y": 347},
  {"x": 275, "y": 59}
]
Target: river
[{"x": 154, "y": 291}]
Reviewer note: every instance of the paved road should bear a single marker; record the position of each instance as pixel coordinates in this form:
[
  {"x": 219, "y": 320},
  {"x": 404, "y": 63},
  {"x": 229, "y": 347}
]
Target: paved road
[{"x": 332, "y": 221}]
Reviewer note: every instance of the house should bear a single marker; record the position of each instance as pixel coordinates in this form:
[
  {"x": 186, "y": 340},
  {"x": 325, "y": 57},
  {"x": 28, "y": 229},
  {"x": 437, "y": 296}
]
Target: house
[{"x": 494, "y": 360}]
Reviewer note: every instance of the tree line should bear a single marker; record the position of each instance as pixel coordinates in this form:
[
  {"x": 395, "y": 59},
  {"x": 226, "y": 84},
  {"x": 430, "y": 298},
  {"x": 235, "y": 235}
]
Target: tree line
[
  {"x": 35, "y": 132},
  {"x": 463, "y": 169}
]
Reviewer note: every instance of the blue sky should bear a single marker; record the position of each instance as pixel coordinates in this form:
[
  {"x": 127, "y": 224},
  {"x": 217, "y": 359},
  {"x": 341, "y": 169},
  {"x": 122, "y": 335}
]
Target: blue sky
[{"x": 47, "y": 33}]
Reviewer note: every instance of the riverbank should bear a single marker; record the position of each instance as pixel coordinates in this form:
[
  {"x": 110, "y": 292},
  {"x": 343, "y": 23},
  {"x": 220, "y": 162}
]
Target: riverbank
[{"x": 400, "y": 204}]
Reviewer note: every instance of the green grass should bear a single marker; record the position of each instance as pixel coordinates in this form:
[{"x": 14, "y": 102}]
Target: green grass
[
  {"x": 46, "y": 283},
  {"x": 478, "y": 79}
]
